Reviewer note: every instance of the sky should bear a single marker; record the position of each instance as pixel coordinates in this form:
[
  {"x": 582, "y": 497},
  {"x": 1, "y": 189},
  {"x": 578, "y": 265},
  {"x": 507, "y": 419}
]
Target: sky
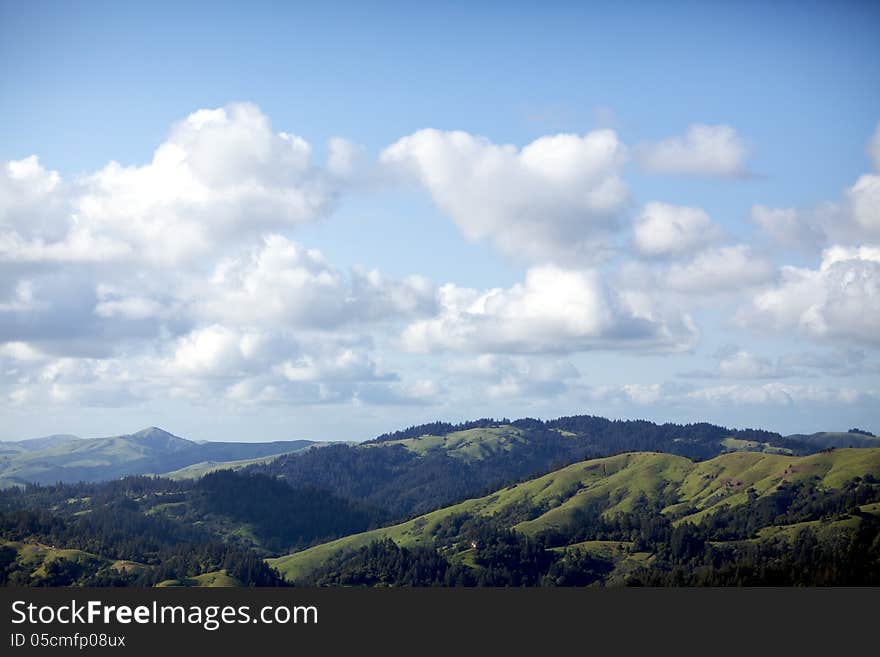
[{"x": 263, "y": 221}]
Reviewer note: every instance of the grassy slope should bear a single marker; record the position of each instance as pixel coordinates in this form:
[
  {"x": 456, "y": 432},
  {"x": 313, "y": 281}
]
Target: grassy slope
[
  {"x": 40, "y": 556},
  {"x": 824, "y": 439},
  {"x": 738, "y": 444},
  {"x": 216, "y": 579},
  {"x": 198, "y": 470},
  {"x": 700, "y": 488},
  {"x": 470, "y": 444}
]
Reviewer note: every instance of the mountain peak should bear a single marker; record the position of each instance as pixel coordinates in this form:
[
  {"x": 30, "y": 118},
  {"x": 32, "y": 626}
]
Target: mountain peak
[
  {"x": 152, "y": 431},
  {"x": 159, "y": 438}
]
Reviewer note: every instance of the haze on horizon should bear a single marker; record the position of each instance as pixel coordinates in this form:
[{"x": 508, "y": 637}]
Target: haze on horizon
[{"x": 271, "y": 223}]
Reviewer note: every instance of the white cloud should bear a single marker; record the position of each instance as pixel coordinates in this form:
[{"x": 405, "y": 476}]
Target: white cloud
[
  {"x": 206, "y": 365},
  {"x": 31, "y": 199},
  {"x": 722, "y": 269},
  {"x": 503, "y": 377},
  {"x": 221, "y": 175},
  {"x": 853, "y": 220},
  {"x": 704, "y": 150},
  {"x": 746, "y": 365},
  {"x": 421, "y": 392},
  {"x": 177, "y": 279},
  {"x": 840, "y": 300},
  {"x": 771, "y": 394},
  {"x": 284, "y": 283},
  {"x": 554, "y": 310},
  {"x": 22, "y": 299},
  {"x": 77, "y": 246},
  {"x": 345, "y": 364},
  {"x": 554, "y": 199},
  {"x": 214, "y": 351},
  {"x": 742, "y": 364},
  {"x": 21, "y": 351},
  {"x": 663, "y": 229},
  {"x": 863, "y": 200},
  {"x": 640, "y": 394},
  {"x": 787, "y": 227},
  {"x": 842, "y": 361},
  {"x": 778, "y": 394}
]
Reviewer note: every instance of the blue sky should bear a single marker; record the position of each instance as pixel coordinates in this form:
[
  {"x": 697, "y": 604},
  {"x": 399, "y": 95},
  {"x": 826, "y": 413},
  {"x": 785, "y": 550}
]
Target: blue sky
[{"x": 700, "y": 244}]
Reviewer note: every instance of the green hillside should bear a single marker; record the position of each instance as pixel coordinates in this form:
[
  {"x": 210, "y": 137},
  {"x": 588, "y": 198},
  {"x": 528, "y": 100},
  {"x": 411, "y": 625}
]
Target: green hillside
[
  {"x": 427, "y": 467},
  {"x": 47, "y": 565},
  {"x": 197, "y": 470},
  {"x": 682, "y": 490},
  {"x": 215, "y": 579},
  {"x": 837, "y": 439},
  {"x": 469, "y": 444}
]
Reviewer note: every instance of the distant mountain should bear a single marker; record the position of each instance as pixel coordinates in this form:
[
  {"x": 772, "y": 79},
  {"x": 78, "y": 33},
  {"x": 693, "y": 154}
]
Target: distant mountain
[
  {"x": 34, "y": 444},
  {"x": 150, "y": 451},
  {"x": 46, "y": 442}
]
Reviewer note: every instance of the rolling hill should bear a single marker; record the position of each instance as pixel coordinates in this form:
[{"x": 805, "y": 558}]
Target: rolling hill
[
  {"x": 430, "y": 466},
  {"x": 69, "y": 459},
  {"x": 574, "y": 501},
  {"x": 674, "y": 487},
  {"x": 828, "y": 439}
]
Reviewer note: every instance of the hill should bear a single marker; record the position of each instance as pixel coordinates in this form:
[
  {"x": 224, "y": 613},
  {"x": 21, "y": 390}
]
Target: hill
[
  {"x": 828, "y": 439},
  {"x": 574, "y": 501},
  {"x": 582, "y": 507},
  {"x": 166, "y": 530},
  {"x": 413, "y": 471},
  {"x": 69, "y": 459}
]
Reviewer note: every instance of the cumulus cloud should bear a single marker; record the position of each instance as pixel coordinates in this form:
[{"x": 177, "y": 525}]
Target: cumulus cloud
[
  {"x": 704, "y": 150},
  {"x": 722, "y": 269},
  {"x": 779, "y": 394},
  {"x": 554, "y": 310},
  {"x": 554, "y": 199},
  {"x": 421, "y": 392},
  {"x": 639, "y": 394},
  {"x": 662, "y": 229},
  {"x": 852, "y": 220},
  {"x": 743, "y": 364},
  {"x": 771, "y": 394},
  {"x": 841, "y": 361},
  {"x": 178, "y": 278},
  {"x": 210, "y": 363},
  {"x": 863, "y": 200},
  {"x": 31, "y": 199},
  {"x": 788, "y": 227},
  {"x": 503, "y": 377},
  {"x": 221, "y": 174},
  {"x": 285, "y": 283},
  {"x": 838, "y": 301}
]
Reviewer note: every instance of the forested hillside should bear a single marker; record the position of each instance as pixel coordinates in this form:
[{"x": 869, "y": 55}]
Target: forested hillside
[
  {"x": 574, "y": 501},
  {"x": 143, "y": 531},
  {"x": 429, "y": 466},
  {"x": 635, "y": 519}
]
